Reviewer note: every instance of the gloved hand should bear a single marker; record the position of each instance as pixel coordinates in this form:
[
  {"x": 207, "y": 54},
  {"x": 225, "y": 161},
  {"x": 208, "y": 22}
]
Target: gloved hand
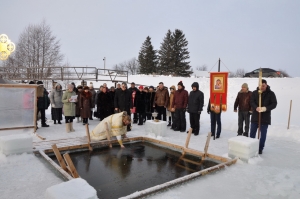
[
  {"x": 53, "y": 105},
  {"x": 199, "y": 112},
  {"x": 208, "y": 111},
  {"x": 184, "y": 109}
]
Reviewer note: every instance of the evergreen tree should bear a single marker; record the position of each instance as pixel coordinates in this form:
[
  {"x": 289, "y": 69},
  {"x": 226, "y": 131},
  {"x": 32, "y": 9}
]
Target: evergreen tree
[
  {"x": 166, "y": 61},
  {"x": 180, "y": 55},
  {"x": 147, "y": 58}
]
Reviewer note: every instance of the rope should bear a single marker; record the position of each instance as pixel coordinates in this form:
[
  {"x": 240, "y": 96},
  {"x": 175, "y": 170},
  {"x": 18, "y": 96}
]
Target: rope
[
  {"x": 213, "y": 66},
  {"x": 225, "y": 66}
]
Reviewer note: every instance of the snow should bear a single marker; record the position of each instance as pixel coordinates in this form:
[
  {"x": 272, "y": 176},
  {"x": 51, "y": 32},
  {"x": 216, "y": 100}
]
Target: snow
[
  {"x": 157, "y": 128},
  {"x": 12, "y": 144},
  {"x": 274, "y": 174},
  {"x": 242, "y": 147},
  {"x": 73, "y": 189}
]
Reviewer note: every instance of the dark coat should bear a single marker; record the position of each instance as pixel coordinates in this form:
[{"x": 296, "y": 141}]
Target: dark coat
[
  {"x": 43, "y": 102},
  {"x": 196, "y": 100},
  {"x": 77, "y": 104},
  {"x": 85, "y": 104},
  {"x": 112, "y": 97},
  {"x": 133, "y": 89},
  {"x": 104, "y": 105},
  {"x": 268, "y": 100},
  {"x": 161, "y": 97},
  {"x": 243, "y": 101},
  {"x": 93, "y": 97},
  {"x": 149, "y": 102},
  {"x": 123, "y": 101},
  {"x": 180, "y": 99},
  {"x": 141, "y": 102}
]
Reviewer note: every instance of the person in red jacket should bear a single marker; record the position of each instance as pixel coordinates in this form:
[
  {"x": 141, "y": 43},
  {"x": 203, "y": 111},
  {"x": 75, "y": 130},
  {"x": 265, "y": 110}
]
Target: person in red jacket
[{"x": 179, "y": 104}]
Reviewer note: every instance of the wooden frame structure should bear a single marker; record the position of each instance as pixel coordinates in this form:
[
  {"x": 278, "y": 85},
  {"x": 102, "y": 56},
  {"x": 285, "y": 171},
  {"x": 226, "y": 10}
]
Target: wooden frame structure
[
  {"x": 25, "y": 86},
  {"x": 223, "y": 162}
]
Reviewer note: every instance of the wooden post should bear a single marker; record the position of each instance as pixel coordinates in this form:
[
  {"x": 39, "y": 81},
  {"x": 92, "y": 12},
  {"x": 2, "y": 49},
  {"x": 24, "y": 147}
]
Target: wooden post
[
  {"x": 71, "y": 166},
  {"x": 206, "y": 145},
  {"x": 59, "y": 157},
  {"x": 188, "y": 138},
  {"x": 88, "y": 136},
  {"x": 290, "y": 115}
]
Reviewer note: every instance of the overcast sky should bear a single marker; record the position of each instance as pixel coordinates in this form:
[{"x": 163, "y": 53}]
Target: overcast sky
[{"x": 244, "y": 34}]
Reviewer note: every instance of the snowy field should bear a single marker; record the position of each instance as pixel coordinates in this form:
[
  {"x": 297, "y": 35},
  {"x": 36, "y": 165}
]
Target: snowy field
[{"x": 274, "y": 174}]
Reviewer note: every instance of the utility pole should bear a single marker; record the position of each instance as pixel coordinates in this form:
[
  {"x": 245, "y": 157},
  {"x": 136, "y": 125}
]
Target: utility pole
[
  {"x": 219, "y": 65},
  {"x": 104, "y": 59}
]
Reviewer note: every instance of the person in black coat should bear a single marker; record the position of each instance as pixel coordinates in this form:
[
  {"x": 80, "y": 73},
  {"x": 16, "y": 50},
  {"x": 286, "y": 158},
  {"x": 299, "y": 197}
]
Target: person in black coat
[
  {"x": 123, "y": 102},
  {"x": 149, "y": 102},
  {"x": 141, "y": 105},
  {"x": 131, "y": 89},
  {"x": 195, "y": 107},
  {"x": 43, "y": 104},
  {"x": 112, "y": 93},
  {"x": 104, "y": 104},
  {"x": 268, "y": 103}
]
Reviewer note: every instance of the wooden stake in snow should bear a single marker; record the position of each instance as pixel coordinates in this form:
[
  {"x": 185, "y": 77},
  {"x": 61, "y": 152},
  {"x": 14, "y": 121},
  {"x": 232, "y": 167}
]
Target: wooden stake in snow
[
  {"x": 71, "y": 166},
  {"x": 88, "y": 136},
  {"x": 206, "y": 145},
  {"x": 290, "y": 115},
  {"x": 188, "y": 138}
]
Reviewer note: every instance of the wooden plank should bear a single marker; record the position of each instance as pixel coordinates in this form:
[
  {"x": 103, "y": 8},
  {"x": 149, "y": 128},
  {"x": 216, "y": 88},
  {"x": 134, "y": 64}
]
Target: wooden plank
[
  {"x": 71, "y": 166},
  {"x": 37, "y": 135},
  {"x": 191, "y": 161},
  {"x": 16, "y": 128},
  {"x": 290, "y": 114},
  {"x": 63, "y": 172},
  {"x": 88, "y": 136},
  {"x": 186, "y": 168},
  {"x": 206, "y": 145},
  {"x": 59, "y": 157},
  {"x": 188, "y": 138}
]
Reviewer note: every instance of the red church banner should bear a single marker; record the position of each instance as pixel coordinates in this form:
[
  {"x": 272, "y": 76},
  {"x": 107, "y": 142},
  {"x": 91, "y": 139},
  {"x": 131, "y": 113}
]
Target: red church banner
[{"x": 218, "y": 91}]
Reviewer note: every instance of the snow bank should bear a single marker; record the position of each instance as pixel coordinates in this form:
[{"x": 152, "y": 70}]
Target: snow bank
[
  {"x": 73, "y": 189},
  {"x": 12, "y": 144}
]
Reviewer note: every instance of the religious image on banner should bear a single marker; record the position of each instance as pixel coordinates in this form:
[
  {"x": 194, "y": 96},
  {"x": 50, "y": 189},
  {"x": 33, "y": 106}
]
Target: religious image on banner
[{"x": 218, "y": 91}]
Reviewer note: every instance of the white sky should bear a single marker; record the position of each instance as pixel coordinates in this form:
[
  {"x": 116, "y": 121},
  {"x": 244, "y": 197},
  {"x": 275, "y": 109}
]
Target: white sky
[{"x": 244, "y": 34}]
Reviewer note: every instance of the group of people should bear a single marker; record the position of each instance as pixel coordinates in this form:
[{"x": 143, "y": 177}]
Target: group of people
[{"x": 83, "y": 102}]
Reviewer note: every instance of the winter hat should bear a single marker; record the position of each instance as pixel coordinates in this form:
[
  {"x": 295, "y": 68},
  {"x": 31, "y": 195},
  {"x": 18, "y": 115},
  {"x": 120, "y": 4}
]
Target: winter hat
[
  {"x": 31, "y": 82},
  {"x": 195, "y": 84},
  {"x": 86, "y": 88},
  {"x": 173, "y": 87},
  {"x": 151, "y": 87},
  {"x": 141, "y": 87},
  {"x": 39, "y": 83},
  {"x": 245, "y": 85},
  {"x": 180, "y": 83},
  {"x": 146, "y": 88}
]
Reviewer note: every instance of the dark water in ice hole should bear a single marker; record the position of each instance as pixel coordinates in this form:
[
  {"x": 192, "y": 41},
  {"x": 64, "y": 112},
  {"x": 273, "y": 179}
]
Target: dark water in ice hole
[{"x": 115, "y": 172}]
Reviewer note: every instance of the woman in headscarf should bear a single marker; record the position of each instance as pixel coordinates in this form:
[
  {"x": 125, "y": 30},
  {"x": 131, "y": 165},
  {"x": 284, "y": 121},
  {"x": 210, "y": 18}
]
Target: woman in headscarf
[
  {"x": 69, "y": 107},
  {"x": 56, "y": 103}
]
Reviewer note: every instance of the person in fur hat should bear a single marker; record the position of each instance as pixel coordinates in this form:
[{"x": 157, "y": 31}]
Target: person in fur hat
[
  {"x": 179, "y": 106},
  {"x": 85, "y": 104},
  {"x": 242, "y": 102},
  {"x": 170, "y": 113}
]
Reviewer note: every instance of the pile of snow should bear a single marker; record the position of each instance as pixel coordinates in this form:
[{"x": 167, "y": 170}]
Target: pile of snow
[
  {"x": 242, "y": 147},
  {"x": 73, "y": 189},
  {"x": 14, "y": 144}
]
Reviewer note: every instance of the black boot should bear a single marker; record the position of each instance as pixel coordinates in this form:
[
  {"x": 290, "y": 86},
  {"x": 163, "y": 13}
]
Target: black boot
[
  {"x": 54, "y": 121},
  {"x": 59, "y": 122},
  {"x": 91, "y": 118}
]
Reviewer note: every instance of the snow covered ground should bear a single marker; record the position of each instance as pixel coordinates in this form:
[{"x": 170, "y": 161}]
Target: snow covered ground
[{"x": 274, "y": 174}]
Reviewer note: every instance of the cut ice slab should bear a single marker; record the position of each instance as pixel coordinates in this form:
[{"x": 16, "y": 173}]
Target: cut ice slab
[
  {"x": 242, "y": 147},
  {"x": 74, "y": 189},
  {"x": 13, "y": 144}
]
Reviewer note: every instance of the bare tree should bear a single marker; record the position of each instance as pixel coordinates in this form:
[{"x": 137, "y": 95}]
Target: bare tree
[
  {"x": 37, "y": 48},
  {"x": 132, "y": 66},
  {"x": 201, "y": 68},
  {"x": 240, "y": 72}
]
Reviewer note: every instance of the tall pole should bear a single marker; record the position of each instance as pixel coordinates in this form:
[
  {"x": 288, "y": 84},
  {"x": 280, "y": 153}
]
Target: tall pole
[
  {"x": 219, "y": 65},
  {"x": 259, "y": 102},
  {"x": 104, "y": 59}
]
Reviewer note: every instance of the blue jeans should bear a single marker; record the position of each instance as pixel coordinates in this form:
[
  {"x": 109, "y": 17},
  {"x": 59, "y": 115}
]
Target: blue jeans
[
  {"x": 263, "y": 133},
  {"x": 215, "y": 118}
]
